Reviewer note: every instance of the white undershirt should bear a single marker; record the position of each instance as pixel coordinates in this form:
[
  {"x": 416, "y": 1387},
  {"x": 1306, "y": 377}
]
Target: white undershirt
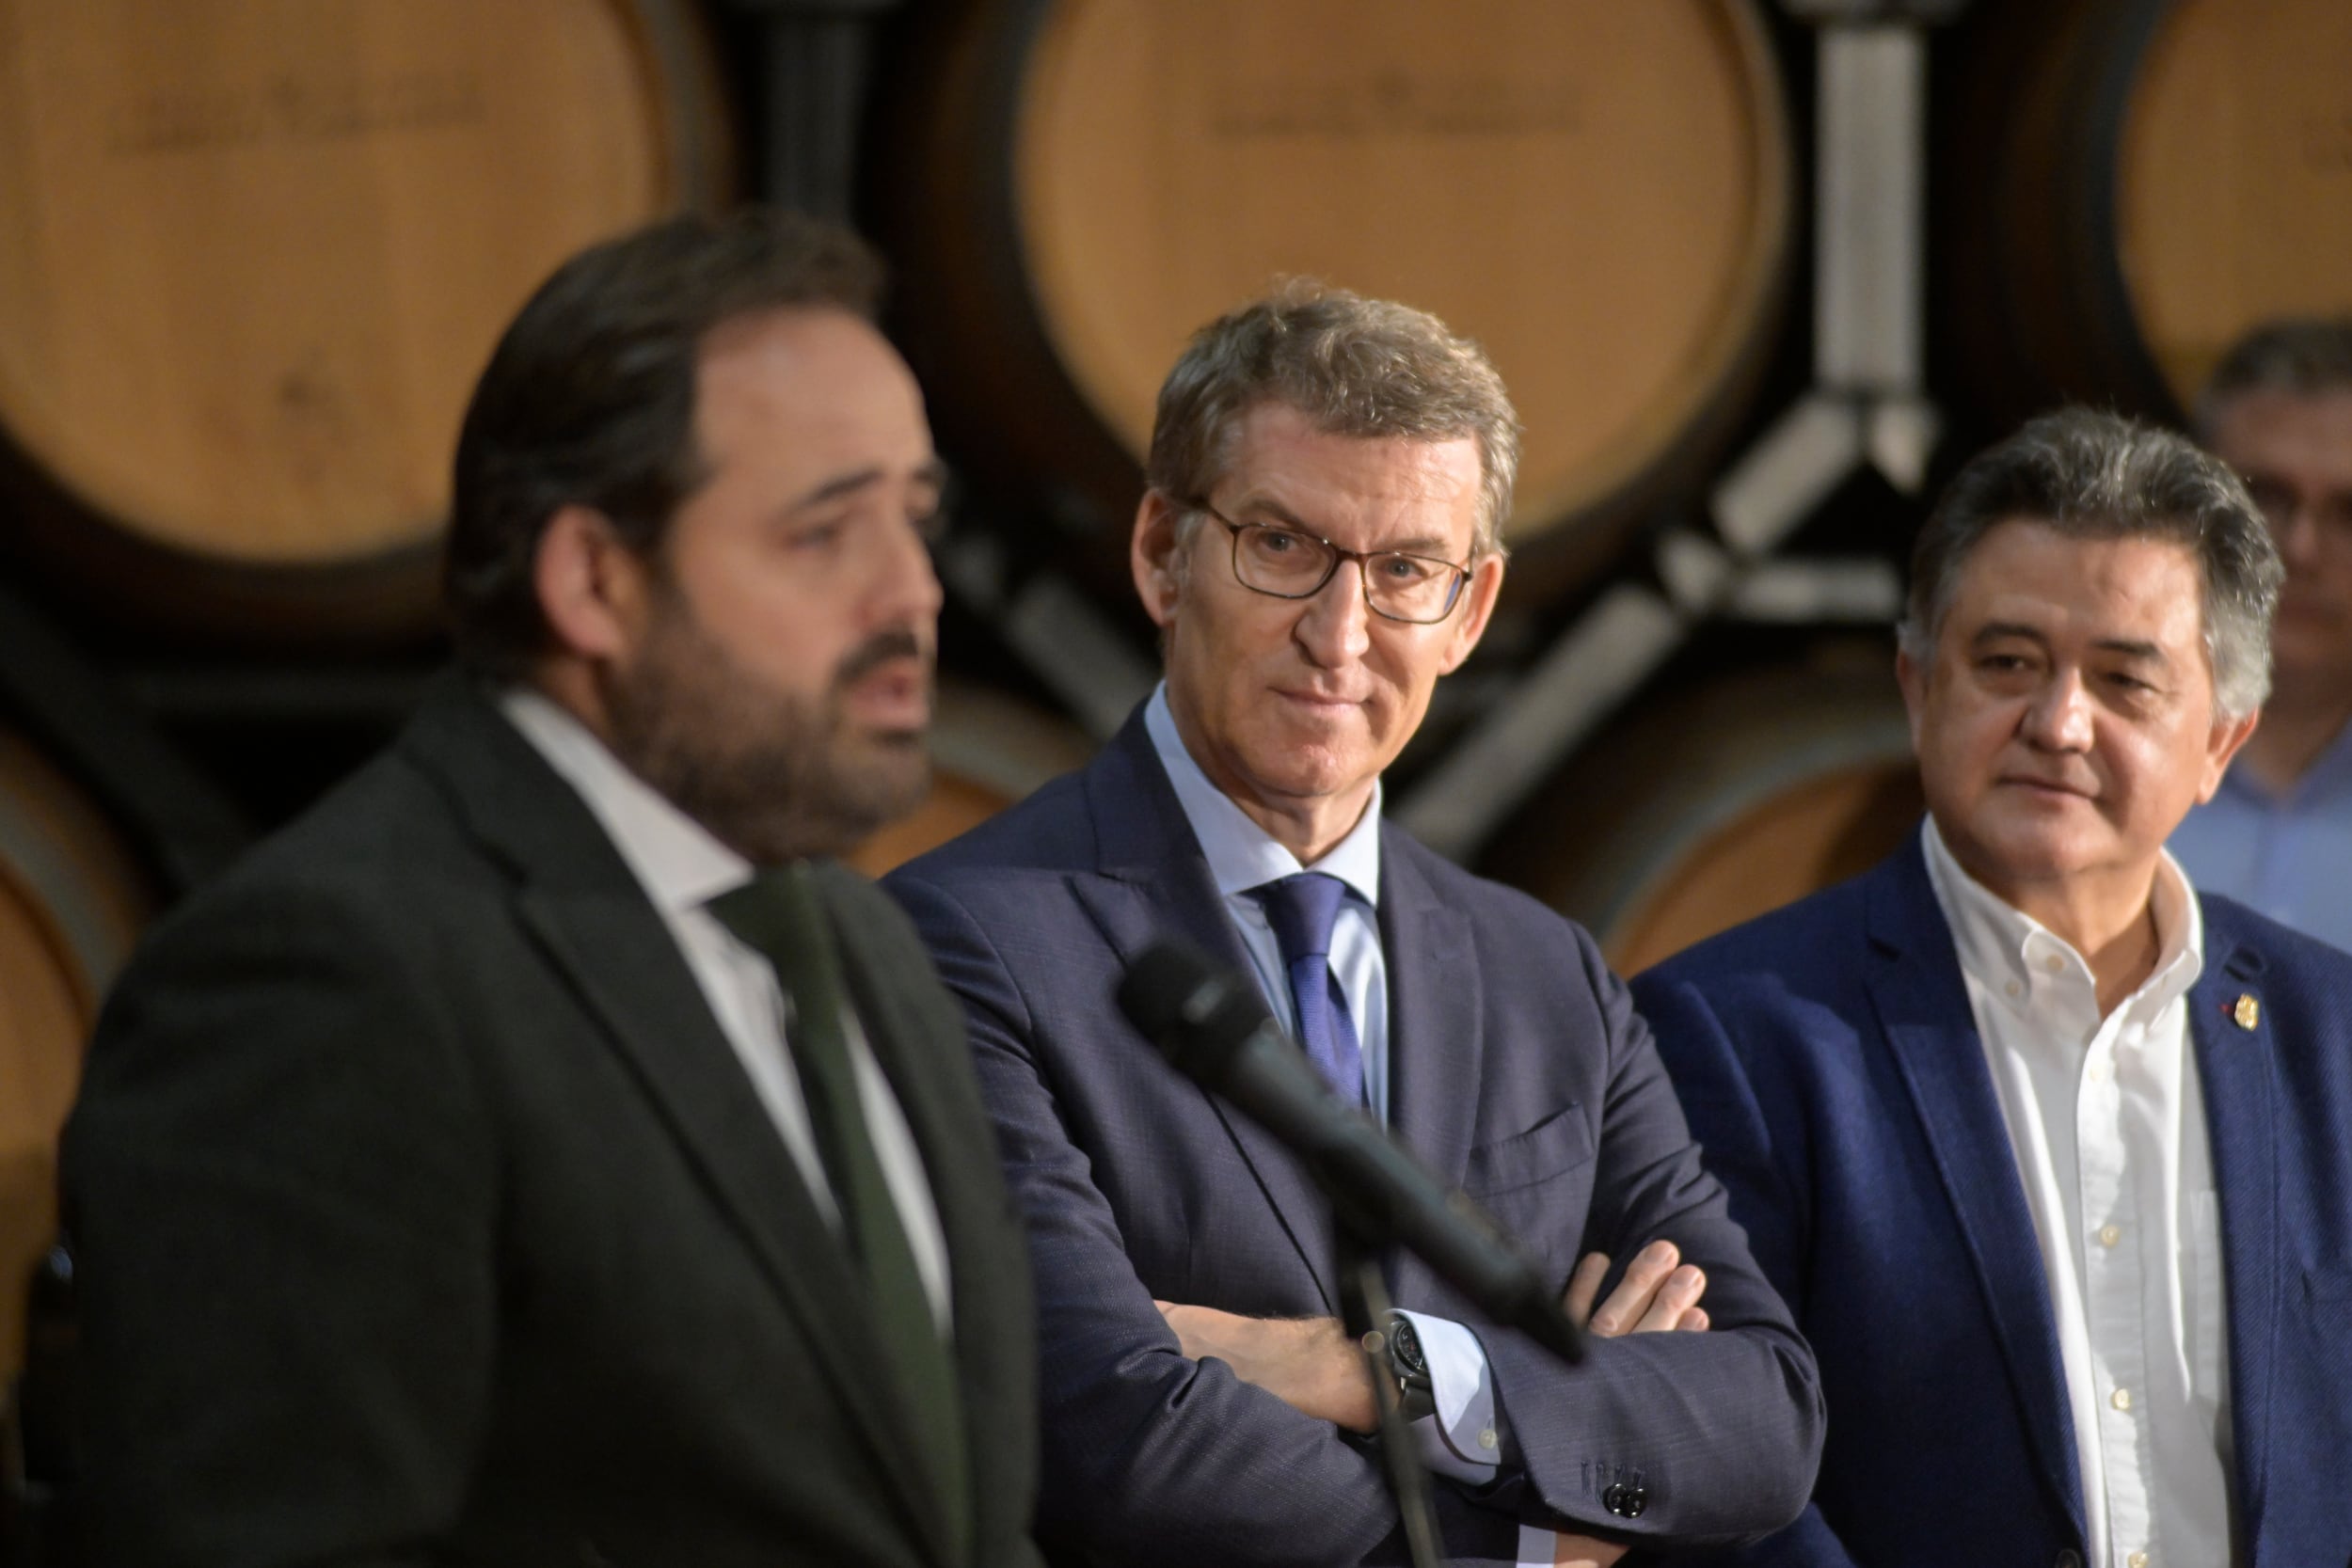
[
  {"x": 2106, "y": 1119},
  {"x": 681, "y": 868}
]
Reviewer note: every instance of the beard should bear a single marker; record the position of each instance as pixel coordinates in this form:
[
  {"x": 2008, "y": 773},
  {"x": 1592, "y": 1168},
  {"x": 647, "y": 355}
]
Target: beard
[{"x": 774, "y": 775}]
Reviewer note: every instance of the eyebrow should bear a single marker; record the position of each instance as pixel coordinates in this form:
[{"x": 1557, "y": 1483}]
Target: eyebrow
[
  {"x": 933, "y": 472},
  {"x": 1994, "y": 631},
  {"x": 1426, "y": 544},
  {"x": 2133, "y": 648}
]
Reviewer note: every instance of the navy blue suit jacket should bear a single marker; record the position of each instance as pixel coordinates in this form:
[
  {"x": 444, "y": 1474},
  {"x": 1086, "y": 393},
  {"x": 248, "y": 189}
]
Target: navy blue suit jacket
[
  {"x": 1520, "y": 1071},
  {"x": 1831, "y": 1069}
]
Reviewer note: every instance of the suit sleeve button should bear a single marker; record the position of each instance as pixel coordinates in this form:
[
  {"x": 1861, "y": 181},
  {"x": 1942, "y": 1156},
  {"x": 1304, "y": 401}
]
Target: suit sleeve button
[
  {"x": 2069, "y": 1558},
  {"x": 1625, "y": 1500}
]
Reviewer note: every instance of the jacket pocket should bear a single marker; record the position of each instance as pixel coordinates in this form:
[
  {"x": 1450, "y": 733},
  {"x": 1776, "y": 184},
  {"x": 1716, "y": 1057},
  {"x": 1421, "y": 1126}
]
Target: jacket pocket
[{"x": 1558, "y": 1144}]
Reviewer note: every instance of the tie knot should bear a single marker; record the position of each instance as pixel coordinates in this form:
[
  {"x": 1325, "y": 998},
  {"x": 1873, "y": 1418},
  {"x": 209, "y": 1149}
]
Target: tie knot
[
  {"x": 1301, "y": 909},
  {"x": 775, "y": 910}
]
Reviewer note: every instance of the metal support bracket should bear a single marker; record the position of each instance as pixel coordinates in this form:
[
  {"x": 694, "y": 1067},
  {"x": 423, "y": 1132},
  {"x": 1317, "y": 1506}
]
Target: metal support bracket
[{"x": 1867, "y": 410}]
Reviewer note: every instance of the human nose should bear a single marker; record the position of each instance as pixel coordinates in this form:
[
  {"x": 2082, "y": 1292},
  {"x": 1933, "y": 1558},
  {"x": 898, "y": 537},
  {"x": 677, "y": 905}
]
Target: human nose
[
  {"x": 2058, "y": 717},
  {"x": 1336, "y": 626},
  {"x": 907, "y": 585}
]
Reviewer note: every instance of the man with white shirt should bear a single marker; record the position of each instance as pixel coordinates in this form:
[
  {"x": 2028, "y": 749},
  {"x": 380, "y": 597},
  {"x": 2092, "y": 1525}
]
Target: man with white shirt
[
  {"x": 2051, "y": 1154},
  {"x": 540, "y": 1153},
  {"x": 1319, "y": 544}
]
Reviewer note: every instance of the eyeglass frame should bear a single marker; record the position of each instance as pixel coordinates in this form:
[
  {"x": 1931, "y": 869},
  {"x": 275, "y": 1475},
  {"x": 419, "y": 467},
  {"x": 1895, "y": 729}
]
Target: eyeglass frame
[{"x": 1338, "y": 557}]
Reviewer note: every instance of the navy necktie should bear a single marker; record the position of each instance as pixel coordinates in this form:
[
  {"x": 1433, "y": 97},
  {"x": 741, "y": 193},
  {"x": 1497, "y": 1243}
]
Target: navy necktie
[{"x": 1302, "y": 909}]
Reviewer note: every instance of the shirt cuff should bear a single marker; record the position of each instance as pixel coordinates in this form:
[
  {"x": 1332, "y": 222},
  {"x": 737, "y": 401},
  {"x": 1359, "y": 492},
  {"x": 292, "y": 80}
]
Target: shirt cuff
[
  {"x": 1463, "y": 1439},
  {"x": 1538, "y": 1548}
]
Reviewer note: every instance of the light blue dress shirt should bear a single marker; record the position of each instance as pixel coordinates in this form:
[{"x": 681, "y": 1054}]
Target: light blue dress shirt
[
  {"x": 1464, "y": 1439},
  {"x": 2289, "y": 856}
]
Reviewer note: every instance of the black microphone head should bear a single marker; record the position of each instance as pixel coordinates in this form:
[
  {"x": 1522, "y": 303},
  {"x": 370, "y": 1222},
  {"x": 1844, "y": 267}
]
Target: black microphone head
[{"x": 1196, "y": 1012}]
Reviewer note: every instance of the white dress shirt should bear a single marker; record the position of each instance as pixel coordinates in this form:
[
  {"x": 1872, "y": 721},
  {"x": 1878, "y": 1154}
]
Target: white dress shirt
[
  {"x": 2106, "y": 1119},
  {"x": 1464, "y": 1437},
  {"x": 681, "y": 868}
]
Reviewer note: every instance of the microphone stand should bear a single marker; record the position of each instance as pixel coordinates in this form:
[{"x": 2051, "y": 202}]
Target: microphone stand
[{"x": 1364, "y": 1309}]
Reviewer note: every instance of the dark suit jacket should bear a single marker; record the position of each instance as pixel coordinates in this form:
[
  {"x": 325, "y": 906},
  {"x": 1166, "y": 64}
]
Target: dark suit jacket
[
  {"x": 1832, "y": 1068},
  {"x": 425, "y": 1215},
  {"x": 1520, "y": 1071}
]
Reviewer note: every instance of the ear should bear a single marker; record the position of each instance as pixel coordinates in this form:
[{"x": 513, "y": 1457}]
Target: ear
[
  {"x": 2220, "y": 746},
  {"x": 592, "y": 587},
  {"x": 1151, "y": 556},
  {"x": 1913, "y": 681},
  {"x": 1486, "y": 582}
]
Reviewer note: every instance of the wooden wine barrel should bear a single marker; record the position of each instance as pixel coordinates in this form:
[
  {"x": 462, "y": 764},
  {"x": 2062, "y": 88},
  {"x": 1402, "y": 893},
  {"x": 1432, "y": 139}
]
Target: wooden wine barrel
[
  {"x": 1598, "y": 193},
  {"x": 254, "y": 252},
  {"x": 987, "y": 751},
  {"x": 73, "y": 899},
  {"x": 2133, "y": 183},
  {"x": 1720, "y": 804}
]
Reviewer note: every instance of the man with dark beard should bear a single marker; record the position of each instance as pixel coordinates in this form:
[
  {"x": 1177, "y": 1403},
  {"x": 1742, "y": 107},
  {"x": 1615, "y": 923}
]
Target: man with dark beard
[{"x": 540, "y": 1153}]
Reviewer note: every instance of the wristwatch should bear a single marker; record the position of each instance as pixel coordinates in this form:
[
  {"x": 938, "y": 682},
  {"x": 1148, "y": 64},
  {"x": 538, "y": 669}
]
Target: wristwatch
[{"x": 1410, "y": 1368}]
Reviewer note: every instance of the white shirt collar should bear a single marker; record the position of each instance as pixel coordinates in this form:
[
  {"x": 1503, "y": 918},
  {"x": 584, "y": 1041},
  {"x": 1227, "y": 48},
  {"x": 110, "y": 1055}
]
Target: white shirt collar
[
  {"x": 681, "y": 866},
  {"x": 1240, "y": 854},
  {"x": 2015, "y": 956}
]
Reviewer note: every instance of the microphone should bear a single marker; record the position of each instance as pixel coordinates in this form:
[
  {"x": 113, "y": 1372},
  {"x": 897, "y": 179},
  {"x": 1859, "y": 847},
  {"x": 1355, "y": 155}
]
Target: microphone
[{"x": 1215, "y": 1028}]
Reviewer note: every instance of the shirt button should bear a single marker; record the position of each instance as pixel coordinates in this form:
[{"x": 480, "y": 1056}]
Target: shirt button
[
  {"x": 2121, "y": 1398},
  {"x": 1487, "y": 1439},
  {"x": 2108, "y": 1236},
  {"x": 2137, "y": 1560},
  {"x": 2098, "y": 1073},
  {"x": 2013, "y": 987},
  {"x": 2054, "y": 963}
]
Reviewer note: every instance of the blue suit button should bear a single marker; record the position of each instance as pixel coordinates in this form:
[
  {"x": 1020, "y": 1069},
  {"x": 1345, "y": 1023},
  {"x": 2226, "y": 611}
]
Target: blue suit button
[{"x": 1626, "y": 1501}]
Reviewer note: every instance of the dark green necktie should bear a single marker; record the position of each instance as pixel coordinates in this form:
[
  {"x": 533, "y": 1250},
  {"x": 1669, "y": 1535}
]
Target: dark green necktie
[{"x": 777, "y": 914}]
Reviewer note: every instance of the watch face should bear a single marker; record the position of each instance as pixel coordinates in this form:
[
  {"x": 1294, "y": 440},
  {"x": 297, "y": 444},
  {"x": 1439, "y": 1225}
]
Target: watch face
[{"x": 1408, "y": 1347}]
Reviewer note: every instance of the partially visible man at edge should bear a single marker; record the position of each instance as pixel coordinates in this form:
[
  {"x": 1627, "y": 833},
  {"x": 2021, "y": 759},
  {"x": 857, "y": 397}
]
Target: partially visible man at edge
[
  {"x": 452, "y": 1181},
  {"x": 1319, "y": 544},
  {"x": 2050, "y": 1152},
  {"x": 2277, "y": 833}
]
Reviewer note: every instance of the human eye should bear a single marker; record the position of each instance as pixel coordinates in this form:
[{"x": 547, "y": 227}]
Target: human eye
[
  {"x": 1407, "y": 571},
  {"x": 2006, "y": 669},
  {"x": 817, "y": 535},
  {"x": 929, "y": 522},
  {"x": 1277, "y": 542}
]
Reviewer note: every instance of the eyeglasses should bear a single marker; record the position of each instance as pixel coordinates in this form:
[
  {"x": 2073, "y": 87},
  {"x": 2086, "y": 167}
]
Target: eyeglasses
[
  {"x": 2282, "y": 503},
  {"x": 1285, "y": 563}
]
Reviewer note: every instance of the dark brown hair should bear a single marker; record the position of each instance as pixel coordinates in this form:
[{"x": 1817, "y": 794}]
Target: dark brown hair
[{"x": 589, "y": 399}]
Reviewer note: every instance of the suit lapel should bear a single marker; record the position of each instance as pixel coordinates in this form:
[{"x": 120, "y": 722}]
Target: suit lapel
[
  {"x": 1922, "y": 1003},
  {"x": 599, "y": 930},
  {"x": 2236, "y": 1069},
  {"x": 1435, "y": 1034},
  {"x": 1155, "y": 881}
]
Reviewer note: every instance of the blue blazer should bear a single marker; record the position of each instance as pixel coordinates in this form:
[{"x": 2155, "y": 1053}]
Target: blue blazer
[
  {"x": 1520, "y": 1071},
  {"x": 1831, "y": 1069}
]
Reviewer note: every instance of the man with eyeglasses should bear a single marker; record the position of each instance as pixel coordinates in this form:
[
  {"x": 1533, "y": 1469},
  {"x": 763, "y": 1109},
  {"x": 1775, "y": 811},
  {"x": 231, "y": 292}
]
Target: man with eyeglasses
[
  {"x": 1318, "y": 544},
  {"x": 2278, "y": 834}
]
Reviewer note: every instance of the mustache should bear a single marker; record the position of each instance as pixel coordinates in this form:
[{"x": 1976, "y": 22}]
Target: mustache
[{"x": 877, "y": 650}]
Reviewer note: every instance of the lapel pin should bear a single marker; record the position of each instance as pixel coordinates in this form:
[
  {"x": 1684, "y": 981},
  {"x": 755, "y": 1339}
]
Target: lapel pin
[{"x": 2248, "y": 1012}]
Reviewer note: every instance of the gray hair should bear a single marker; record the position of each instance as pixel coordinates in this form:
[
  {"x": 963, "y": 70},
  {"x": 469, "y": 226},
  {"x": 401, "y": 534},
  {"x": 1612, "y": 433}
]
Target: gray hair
[
  {"x": 2093, "y": 475},
  {"x": 1352, "y": 366},
  {"x": 2305, "y": 355}
]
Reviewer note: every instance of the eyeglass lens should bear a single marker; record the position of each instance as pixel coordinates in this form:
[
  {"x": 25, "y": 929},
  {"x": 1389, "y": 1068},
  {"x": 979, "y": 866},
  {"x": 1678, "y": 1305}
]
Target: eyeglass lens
[{"x": 1292, "y": 565}]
